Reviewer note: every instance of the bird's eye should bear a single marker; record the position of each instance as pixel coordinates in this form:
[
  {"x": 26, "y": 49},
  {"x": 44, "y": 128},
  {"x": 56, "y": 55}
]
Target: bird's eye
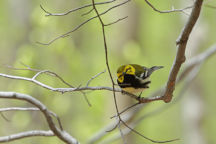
[
  {"x": 121, "y": 79},
  {"x": 128, "y": 70}
]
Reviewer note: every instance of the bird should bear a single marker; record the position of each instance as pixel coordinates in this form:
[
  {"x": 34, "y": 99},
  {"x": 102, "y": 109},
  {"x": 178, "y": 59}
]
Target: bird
[{"x": 134, "y": 78}]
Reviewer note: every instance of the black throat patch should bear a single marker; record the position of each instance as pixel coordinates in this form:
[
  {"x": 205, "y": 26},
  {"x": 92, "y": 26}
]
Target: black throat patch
[{"x": 132, "y": 81}]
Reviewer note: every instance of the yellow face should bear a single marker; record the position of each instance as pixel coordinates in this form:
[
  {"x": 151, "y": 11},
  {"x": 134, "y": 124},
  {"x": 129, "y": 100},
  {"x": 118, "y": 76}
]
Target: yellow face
[{"x": 126, "y": 69}]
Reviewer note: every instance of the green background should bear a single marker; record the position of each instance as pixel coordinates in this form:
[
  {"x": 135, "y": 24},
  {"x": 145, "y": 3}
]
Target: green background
[{"x": 145, "y": 37}]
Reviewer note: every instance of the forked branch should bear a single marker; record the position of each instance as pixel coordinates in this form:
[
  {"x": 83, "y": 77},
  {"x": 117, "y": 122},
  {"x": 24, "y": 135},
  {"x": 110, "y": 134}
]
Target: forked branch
[
  {"x": 168, "y": 11},
  {"x": 60, "y": 133},
  {"x": 75, "y": 9},
  {"x": 83, "y": 23}
]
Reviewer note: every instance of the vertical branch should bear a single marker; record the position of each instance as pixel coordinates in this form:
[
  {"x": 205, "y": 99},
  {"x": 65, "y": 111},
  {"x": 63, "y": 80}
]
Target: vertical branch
[
  {"x": 181, "y": 46},
  {"x": 106, "y": 52},
  {"x": 108, "y": 68}
]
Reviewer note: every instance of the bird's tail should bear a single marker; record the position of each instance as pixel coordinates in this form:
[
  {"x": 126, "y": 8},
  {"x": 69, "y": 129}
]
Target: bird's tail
[{"x": 152, "y": 69}]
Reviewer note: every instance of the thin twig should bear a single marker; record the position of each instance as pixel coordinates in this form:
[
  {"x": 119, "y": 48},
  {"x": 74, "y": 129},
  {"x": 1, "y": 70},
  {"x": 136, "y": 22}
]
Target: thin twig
[
  {"x": 39, "y": 72},
  {"x": 73, "y": 10},
  {"x": 126, "y": 109},
  {"x": 58, "y": 119},
  {"x": 83, "y": 23},
  {"x": 168, "y": 11},
  {"x": 51, "y": 73},
  {"x": 61, "y": 79},
  {"x": 116, "y": 21},
  {"x": 154, "y": 141},
  {"x": 107, "y": 64},
  {"x": 61, "y": 90},
  {"x": 97, "y": 75},
  {"x": 88, "y": 12},
  {"x": 15, "y": 109},
  {"x": 104, "y": 130}
]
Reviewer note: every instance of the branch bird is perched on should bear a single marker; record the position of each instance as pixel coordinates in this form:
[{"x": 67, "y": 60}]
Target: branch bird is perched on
[{"x": 134, "y": 78}]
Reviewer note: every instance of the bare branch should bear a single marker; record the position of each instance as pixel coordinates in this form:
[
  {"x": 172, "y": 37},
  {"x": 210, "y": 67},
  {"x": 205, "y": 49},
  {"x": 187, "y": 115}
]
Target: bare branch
[
  {"x": 126, "y": 109},
  {"x": 80, "y": 25},
  {"x": 18, "y": 109},
  {"x": 73, "y": 10},
  {"x": 25, "y": 135},
  {"x": 37, "y": 74},
  {"x": 63, "y": 135},
  {"x": 15, "y": 109},
  {"x": 88, "y": 12},
  {"x": 154, "y": 141},
  {"x": 116, "y": 21},
  {"x": 51, "y": 74},
  {"x": 107, "y": 65},
  {"x": 97, "y": 75},
  {"x": 104, "y": 130},
  {"x": 181, "y": 46},
  {"x": 58, "y": 119},
  {"x": 30, "y": 80},
  {"x": 168, "y": 11},
  {"x": 47, "y": 13},
  {"x": 62, "y": 90}
]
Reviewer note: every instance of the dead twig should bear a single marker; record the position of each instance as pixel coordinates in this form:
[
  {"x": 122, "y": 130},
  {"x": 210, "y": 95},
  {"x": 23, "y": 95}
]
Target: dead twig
[
  {"x": 107, "y": 64},
  {"x": 39, "y": 72},
  {"x": 126, "y": 109},
  {"x": 97, "y": 75},
  {"x": 168, "y": 11},
  {"x": 75, "y": 9},
  {"x": 88, "y": 12},
  {"x": 83, "y": 23},
  {"x": 116, "y": 21}
]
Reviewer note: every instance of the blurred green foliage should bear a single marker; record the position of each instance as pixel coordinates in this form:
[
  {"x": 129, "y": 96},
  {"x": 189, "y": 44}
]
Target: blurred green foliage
[{"x": 145, "y": 37}]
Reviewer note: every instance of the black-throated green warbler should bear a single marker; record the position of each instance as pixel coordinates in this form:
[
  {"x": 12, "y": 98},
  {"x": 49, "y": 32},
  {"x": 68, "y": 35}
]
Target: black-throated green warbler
[{"x": 134, "y": 78}]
